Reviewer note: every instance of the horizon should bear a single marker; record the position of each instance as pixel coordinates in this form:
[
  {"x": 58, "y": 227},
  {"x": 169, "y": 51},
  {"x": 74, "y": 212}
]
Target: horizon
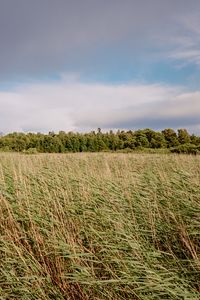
[
  {"x": 99, "y": 131},
  {"x": 111, "y": 65}
]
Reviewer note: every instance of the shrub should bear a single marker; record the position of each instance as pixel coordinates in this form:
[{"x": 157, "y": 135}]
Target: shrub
[
  {"x": 31, "y": 151},
  {"x": 185, "y": 149}
]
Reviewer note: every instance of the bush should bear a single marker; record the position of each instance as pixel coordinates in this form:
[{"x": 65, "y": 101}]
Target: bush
[
  {"x": 186, "y": 149},
  {"x": 31, "y": 151},
  {"x": 5, "y": 149}
]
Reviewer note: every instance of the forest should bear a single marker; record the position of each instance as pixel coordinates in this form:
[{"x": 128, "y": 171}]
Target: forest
[{"x": 168, "y": 140}]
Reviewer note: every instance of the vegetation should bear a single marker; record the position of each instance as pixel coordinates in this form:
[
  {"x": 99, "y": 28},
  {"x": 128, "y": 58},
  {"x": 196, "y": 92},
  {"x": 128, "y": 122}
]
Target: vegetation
[
  {"x": 98, "y": 141},
  {"x": 99, "y": 226}
]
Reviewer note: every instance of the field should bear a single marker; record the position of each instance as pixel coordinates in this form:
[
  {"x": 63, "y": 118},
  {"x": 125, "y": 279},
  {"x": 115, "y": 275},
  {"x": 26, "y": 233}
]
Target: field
[{"x": 99, "y": 226}]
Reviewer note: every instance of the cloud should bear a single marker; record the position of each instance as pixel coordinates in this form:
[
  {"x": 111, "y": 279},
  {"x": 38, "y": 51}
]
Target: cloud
[
  {"x": 187, "y": 42},
  {"x": 42, "y": 37},
  {"x": 91, "y": 39},
  {"x": 74, "y": 105}
]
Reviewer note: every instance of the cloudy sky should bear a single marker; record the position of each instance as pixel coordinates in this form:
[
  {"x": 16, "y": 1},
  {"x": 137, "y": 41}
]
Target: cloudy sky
[{"x": 83, "y": 64}]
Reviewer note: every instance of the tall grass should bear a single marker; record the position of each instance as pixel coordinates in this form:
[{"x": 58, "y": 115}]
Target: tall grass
[{"x": 99, "y": 226}]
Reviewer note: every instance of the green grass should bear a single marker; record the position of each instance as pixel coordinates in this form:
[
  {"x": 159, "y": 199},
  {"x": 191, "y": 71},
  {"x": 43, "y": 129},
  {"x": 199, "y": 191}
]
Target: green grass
[{"x": 99, "y": 226}]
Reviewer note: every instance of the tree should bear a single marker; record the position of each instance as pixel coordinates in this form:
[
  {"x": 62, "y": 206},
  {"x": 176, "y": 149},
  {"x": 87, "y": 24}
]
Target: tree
[
  {"x": 79, "y": 142},
  {"x": 170, "y": 137},
  {"x": 156, "y": 139},
  {"x": 195, "y": 139},
  {"x": 52, "y": 144},
  {"x": 183, "y": 136}
]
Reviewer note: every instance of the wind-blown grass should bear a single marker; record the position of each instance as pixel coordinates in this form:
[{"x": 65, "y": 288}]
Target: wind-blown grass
[{"x": 99, "y": 226}]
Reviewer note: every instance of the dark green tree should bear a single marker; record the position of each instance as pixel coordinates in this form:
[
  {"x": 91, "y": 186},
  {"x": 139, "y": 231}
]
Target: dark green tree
[
  {"x": 183, "y": 136},
  {"x": 170, "y": 137}
]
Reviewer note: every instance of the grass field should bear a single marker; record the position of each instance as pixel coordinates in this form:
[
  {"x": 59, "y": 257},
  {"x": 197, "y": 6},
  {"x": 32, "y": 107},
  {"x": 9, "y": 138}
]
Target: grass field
[{"x": 99, "y": 226}]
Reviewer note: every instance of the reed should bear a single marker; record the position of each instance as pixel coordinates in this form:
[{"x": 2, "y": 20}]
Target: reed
[{"x": 99, "y": 226}]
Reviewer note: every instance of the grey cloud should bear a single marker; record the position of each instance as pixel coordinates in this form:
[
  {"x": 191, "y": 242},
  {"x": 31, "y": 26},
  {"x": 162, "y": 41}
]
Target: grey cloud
[
  {"x": 44, "y": 36},
  {"x": 181, "y": 111},
  {"x": 158, "y": 123}
]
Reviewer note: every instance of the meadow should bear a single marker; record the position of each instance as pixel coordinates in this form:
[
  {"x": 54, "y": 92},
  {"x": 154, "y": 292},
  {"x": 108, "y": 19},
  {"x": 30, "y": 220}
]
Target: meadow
[{"x": 99, "y": 226}]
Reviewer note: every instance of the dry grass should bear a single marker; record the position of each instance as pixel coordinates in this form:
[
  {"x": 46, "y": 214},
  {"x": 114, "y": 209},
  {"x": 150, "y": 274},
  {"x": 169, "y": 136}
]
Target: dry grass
[{"x": 99, "y": 226}]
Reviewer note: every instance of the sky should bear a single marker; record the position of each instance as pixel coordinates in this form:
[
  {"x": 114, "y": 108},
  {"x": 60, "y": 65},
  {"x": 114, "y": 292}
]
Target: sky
[{"x": 80, "y": 65}]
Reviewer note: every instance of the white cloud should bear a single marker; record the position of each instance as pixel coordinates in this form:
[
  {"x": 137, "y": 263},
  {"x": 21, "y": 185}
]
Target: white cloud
[{"x": 73, "y": 105}]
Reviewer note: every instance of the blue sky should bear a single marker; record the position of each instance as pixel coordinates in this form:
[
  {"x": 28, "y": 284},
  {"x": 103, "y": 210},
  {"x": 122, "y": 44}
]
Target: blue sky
[{"x": 79, "y": 65}]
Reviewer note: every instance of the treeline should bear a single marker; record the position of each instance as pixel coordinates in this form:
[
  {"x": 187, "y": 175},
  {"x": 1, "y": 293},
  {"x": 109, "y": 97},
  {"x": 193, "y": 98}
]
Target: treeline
[{"x": 179, "y": 142}]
